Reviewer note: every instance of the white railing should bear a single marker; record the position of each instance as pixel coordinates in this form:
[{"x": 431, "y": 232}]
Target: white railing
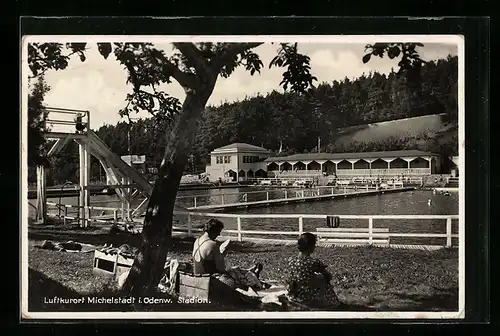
[
  {"x": 239, "y": 232},
  {"x": 277, "y": 194},
  {"x": 297, "y": 172},
  {"x": 117, "y": 213},
  {"x": 300, "y": 217}
]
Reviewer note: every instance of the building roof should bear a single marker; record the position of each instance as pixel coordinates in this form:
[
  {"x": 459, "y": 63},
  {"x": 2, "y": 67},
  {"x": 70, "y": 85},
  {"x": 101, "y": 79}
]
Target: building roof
[
  {"x": 341, "y": 156},
  {"x": 241, "y": 147}
]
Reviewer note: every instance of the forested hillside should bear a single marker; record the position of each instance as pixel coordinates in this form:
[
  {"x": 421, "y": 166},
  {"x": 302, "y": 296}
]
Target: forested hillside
[{"x": 297, "y": 122}]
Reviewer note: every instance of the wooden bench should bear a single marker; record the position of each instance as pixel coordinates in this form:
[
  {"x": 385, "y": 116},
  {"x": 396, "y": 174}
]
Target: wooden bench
[
  {"x": 380, "y": 236},
  {"x": 110, "y": 265},
  {"x": 207, "y": 288}
]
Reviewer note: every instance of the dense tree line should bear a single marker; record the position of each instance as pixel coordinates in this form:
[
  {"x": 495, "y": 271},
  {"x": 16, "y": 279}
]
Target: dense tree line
[{"x": 296, "y": 121}]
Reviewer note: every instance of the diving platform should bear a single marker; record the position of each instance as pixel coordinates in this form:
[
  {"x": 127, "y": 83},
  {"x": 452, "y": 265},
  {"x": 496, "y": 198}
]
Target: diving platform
[
  {"x": 288, "y": 200},
  {"x": 74, "y": 125}
]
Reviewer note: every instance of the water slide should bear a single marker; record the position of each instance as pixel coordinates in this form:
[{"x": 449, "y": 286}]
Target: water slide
[
  {"x": 119, "y": 172},
  {"x": 116, "y": 165}
]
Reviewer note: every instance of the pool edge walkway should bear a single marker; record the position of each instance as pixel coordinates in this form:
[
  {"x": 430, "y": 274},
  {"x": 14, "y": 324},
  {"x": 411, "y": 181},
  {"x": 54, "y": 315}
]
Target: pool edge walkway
[
  {"x": 285, "y": 242},
  {"x": 280, "y": 201}
]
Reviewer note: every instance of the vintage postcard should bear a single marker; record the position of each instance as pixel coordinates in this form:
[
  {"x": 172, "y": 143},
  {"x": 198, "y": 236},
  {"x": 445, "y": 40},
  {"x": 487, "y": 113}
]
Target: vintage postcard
[{"x": 209, "y": 177}]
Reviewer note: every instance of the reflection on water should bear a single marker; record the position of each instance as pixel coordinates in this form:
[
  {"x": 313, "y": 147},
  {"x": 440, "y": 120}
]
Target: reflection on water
[{"x": 404, "y": 203}]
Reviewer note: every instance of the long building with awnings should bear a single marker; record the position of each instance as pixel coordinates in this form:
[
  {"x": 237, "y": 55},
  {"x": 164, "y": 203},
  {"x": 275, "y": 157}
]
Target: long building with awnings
[
  {"x": 366, "y": 164},
  {"x": 240, "y": 161}
]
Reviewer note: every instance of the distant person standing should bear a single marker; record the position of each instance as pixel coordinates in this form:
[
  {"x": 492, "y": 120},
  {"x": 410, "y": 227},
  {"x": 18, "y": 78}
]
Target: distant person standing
[{"x": 79, "y": 125}]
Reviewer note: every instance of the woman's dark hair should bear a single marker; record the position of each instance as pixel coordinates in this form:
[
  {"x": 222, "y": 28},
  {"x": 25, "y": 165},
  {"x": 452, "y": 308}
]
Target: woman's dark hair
[
  {"x": 213, "y": 224},
  {"x": 306, "y": 242}
]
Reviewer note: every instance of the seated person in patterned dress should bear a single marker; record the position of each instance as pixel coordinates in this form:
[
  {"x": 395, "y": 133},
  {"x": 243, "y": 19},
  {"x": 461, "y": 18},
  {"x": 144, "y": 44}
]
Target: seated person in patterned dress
[
  {"x": 307, "y": 280},
  {"x": 208, "y": 259}
]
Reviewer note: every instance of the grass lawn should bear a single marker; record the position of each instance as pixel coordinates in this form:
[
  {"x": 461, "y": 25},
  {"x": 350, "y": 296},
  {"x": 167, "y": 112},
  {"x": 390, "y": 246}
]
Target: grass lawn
[{"x": 365, "y": 278}]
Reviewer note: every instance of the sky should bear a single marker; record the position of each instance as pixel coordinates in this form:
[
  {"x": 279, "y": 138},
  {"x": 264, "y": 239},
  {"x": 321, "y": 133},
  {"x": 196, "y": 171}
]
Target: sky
[{"x": 99, "y": 85}]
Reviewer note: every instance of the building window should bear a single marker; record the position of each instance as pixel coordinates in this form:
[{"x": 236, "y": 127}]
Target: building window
[
  {"x": 251, "y": 159},
  {"x": 219, "y": 159},
  {"x": 227, "y": 159}
]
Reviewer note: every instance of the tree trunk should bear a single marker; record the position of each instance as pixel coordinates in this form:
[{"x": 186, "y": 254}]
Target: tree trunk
[{"x": 149, "y": 262}]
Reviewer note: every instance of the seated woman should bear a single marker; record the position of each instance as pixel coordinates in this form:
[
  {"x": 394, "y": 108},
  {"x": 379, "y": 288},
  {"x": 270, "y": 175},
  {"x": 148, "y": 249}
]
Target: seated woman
[
  {"x": 307, "y": 280},
  {"x": 208, "y": 259}
]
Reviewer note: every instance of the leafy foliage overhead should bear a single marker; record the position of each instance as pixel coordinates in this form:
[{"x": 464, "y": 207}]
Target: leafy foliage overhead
[{"x": 190, "y": 65}]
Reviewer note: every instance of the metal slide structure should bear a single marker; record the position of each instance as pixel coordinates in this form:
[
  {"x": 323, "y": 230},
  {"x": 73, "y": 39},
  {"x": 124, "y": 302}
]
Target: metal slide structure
[{"x": 129, "y": 183}]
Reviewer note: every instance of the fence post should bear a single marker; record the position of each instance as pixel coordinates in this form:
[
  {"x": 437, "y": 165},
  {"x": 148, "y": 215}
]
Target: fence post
[
  {"x": 302, "y": 193},
  {"x": 332, "y": 190},
  {"x": 267, "y": 195},
  {"x": 448, "y": 232},
  {"x": 87, "y": 216},
  {"x": 301, "y": 225},
  {"x": 65, "y": 214},
  {"x": 190, "y": 225},
  {"x": 195, "y": 201},
  {"x": 239, "y": 228},
  {"x": 222, "y": 196},
  {"x": 367, "y": 187},
  {"x": 115, "y": 215},
  {"x": 286, "y": 194},
  {"x": 370, "y": 230},
  {"x": 345, "y": 190}
]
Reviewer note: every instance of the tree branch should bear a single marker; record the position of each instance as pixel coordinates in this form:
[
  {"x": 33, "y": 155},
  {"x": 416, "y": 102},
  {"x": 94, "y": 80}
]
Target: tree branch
[
  {"x": 186, "y": 80},
  {"x": 232, "y": 50},
  {"x": 193, "y": 54}
]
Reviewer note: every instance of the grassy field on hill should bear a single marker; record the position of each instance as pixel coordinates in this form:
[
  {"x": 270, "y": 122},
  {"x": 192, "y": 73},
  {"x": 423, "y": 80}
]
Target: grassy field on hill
[
  {"x": 395, "y": 128},
  {"x": 433, "y": 133}
]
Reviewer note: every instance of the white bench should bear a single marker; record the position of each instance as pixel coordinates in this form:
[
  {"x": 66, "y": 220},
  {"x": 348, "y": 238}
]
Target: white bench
[{"x": 380, "y": 236}]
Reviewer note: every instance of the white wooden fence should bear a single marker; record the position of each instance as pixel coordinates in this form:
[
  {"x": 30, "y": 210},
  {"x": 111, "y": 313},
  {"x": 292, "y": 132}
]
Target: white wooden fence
[
  {"x": 371, "y": 234},
  {"x": 300, "y": 218}
]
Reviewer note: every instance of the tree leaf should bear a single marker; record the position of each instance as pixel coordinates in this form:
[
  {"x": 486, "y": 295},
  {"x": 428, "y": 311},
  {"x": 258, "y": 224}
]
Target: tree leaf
[
  {"x": 76, "y": 47},
  {"x": 396, "y": 51},
  {"x": 366, "y": 58},
  {"x": 104, "y": 49}
]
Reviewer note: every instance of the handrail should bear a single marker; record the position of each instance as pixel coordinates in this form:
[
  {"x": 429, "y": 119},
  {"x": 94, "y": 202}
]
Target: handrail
[
  {"x": 312, "y": 216},
  {"x": 301, "y": 193},
  {"x": 64, "y": 110}
]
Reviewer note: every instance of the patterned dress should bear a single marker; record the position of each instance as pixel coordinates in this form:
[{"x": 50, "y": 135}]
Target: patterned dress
[{"x": 307, "y": 285}]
